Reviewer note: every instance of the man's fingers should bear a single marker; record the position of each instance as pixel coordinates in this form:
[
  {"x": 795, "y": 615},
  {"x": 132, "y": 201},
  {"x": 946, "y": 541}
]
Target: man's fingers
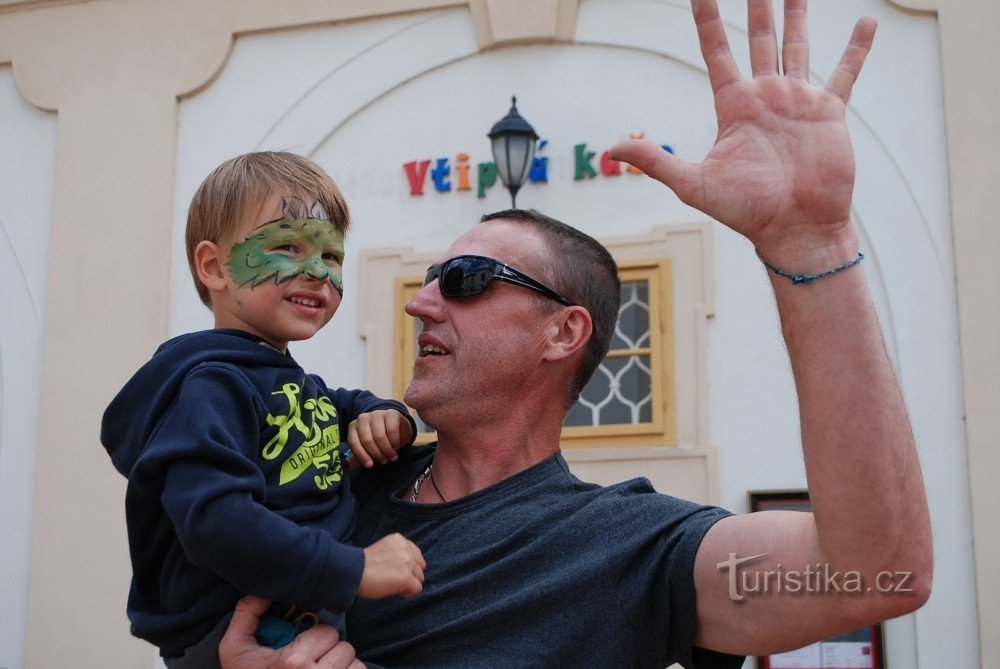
[
  {"x": 341, "y": 656},
  {"x": 846, "y": 73},
  {"x": 313, "y": 645},
  {"x": 665, "y": 167},
  {"x": 763, "y": 43},
  {"x": 722, "y": 69},
  {"x": 795, "y": 41},
  {"x": 239, "y": 641},
  {"x": 246, "y": 616}
]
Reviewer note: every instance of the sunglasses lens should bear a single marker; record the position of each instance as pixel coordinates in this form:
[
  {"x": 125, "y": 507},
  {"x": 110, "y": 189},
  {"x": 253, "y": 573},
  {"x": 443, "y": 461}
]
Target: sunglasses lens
[
  {"x": 451, "y": 280},
  {"x": 464, "y": 276}
]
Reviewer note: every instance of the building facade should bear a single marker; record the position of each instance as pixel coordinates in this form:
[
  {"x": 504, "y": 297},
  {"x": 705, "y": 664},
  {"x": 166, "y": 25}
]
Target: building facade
[{"x": 113, "y": 111}]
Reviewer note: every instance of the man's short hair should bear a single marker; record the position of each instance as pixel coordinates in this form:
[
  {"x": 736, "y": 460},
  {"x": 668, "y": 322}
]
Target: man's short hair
[
  {"x": 579, "y": 267},
  {"x": 239, "y": 187}
]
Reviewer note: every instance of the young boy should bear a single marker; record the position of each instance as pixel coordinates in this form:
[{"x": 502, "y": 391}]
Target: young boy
[{"x": 233, "y": 454}]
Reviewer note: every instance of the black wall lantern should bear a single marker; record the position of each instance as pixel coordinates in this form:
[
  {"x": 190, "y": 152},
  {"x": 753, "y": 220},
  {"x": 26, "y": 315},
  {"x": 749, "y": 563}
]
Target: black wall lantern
[{"x": 513, "y": 141}]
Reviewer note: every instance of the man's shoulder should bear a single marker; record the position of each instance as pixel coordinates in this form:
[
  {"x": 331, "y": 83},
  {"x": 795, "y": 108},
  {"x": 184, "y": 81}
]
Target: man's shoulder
[
  {"x": 639, "y": 487},
  {"x": 638, "y": 498}
]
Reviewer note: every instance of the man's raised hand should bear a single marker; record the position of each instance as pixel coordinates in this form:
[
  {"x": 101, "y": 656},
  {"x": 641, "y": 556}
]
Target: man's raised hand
[{"x": 781, "y": 172}]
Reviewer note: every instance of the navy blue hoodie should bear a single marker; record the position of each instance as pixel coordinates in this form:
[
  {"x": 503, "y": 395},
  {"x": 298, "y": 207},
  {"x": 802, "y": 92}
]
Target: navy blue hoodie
[{"x": 236, "y": 484}]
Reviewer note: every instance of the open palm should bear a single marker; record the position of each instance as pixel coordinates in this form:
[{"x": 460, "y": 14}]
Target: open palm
[{"x": 781, "y": 171}]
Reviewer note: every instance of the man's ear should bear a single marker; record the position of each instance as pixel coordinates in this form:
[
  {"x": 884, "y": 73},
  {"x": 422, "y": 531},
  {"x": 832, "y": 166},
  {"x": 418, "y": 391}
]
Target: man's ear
[
  {"x": 209, "y": 264},
  {"x": 569, "y": 332}
]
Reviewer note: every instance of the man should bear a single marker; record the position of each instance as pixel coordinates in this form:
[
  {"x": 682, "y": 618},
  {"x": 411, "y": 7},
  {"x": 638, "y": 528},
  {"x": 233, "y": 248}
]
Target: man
[{"x": 497, "y": 370}]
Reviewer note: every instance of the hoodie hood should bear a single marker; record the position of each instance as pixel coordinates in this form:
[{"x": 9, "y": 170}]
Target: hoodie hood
[{"x": 135, "y": 412}]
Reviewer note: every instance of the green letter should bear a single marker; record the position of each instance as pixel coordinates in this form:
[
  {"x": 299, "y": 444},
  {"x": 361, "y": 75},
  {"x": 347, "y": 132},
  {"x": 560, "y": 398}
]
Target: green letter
[
  {"x": 582, "y": 162},
  {"x": 487, "y": 177}
]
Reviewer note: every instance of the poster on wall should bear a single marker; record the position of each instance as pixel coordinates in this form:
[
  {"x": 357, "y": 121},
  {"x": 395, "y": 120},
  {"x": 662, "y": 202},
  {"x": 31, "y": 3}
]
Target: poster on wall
[{"x": 862, "y": 648}]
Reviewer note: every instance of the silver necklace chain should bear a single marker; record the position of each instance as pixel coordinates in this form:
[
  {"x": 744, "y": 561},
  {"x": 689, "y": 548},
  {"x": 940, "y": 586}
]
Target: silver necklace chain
[
  {"x": 420, "y": 481},
  {"x": 429, "y": 472}
]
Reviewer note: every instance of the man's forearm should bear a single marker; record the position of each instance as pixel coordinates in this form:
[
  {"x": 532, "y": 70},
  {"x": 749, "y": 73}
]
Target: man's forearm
[{"x": 861, "y": 462}]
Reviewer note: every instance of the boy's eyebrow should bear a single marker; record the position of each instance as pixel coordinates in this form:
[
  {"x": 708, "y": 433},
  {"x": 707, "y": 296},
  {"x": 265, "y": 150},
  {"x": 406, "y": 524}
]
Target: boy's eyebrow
[
  {"x": 280, "y": 218},
  {"x": 285, "y": 218}
]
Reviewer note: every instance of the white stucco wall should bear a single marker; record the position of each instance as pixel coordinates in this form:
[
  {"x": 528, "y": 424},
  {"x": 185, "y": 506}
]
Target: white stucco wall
[
  {"x": 362, "y": 99},
  {"x": 27, "y": 160}
]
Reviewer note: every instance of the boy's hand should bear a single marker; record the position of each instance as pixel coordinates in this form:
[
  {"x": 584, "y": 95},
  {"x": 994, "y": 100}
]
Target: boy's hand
[
  {"x": 375, "y": 436},
  {"x": 393, "y": 566}
]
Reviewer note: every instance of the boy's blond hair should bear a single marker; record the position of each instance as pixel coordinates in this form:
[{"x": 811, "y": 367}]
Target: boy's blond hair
[{"x": 239, "y": 187}]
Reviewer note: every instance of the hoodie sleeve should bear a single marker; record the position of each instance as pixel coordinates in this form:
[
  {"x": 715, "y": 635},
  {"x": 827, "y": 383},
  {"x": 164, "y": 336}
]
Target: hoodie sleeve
[
  {"x": 353, "y": 403},
  {"x": 212, "y": 490}
]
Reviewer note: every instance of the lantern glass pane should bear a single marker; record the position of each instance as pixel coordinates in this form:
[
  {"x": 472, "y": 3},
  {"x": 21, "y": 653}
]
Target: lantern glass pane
[
  {"x": 512, "y": 154},
  {"x": 500, "y": 158},
  {"x": 519, "y": 154}
]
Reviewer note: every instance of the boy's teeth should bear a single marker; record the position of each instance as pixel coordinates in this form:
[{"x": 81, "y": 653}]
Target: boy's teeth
[{"x": 308, "y": 303}]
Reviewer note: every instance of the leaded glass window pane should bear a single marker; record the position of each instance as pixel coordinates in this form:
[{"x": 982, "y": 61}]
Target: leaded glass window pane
[
  {"x": 632, "y": 330},
  {"x": 620, "y": 392}
]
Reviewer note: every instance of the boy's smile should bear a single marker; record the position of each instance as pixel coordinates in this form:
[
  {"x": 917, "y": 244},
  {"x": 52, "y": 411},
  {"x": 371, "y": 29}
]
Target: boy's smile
[{"x": 284, "y": 273}]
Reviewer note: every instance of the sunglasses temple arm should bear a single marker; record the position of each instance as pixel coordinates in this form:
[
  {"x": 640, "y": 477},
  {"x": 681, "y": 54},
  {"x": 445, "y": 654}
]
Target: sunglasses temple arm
[{"x": 513, "y": 276}]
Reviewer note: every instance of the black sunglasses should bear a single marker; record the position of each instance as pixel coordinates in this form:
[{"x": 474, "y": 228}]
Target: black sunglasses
[{"x": 465, "y": 276}]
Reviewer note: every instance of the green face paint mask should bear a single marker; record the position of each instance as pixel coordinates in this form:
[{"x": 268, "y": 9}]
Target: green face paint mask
[{"x": 283, "y": 249}]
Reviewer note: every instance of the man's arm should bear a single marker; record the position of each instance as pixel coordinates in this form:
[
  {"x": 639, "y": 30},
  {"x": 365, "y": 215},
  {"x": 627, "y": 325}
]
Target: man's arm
[{"x": 782, "y": 173}]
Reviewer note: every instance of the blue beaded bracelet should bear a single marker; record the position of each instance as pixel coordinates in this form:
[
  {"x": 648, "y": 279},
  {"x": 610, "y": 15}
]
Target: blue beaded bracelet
[{"x": 797, "y": 279}]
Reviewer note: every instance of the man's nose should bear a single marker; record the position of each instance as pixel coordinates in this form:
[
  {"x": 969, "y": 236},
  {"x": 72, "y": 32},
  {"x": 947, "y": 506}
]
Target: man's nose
[{"x": 427, "y": 303}]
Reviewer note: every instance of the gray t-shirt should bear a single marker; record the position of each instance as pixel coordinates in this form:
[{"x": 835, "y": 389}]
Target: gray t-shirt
[{"x": 539, "y": 570}]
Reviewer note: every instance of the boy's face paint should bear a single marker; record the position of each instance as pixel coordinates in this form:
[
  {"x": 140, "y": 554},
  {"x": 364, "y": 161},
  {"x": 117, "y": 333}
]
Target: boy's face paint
[{"x": 283, "y": 249}]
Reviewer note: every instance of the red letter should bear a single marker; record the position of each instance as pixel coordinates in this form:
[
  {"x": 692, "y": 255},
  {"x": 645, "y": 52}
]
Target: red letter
[
  {"x": 416, "y": 174},
  {"x": 608, "y": 166}
]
